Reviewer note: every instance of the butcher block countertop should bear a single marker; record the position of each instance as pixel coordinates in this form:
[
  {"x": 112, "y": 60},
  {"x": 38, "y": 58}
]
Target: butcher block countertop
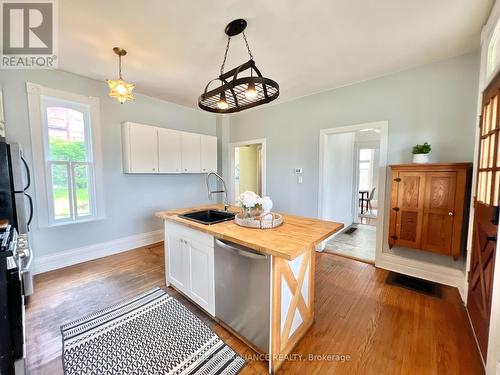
[{"x": 296, "y": 235}]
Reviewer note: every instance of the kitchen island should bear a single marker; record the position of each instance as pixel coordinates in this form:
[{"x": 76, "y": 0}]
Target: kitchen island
[{"x": 192, "y": 248}]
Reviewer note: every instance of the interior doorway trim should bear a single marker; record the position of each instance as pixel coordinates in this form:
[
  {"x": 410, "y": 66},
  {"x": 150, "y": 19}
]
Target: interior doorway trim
[
  {"x": 232, "y": 146},
  {"x": 383, "y": 126}
]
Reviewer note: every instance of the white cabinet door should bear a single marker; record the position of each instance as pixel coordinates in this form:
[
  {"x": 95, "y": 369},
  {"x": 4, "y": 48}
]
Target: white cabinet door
[
  {"x": 178, "y": 262},
  {"x": 189, "y": 264},
  {"x": 201, "y": 271},
  {"x": 143, "y": 143},
  {"x": 190, "y": 152},
  {"x": 169, "y": 151},
  {"x": 208, "y": 154}
]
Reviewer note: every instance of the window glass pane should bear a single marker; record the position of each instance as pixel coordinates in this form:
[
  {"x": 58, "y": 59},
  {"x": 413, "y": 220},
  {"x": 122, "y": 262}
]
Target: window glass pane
[
  {"x": 493, "y": 58},
  {"x": 66, "y": 131},
  {"x": 488, "y": 188},
  {"x": 61, "y": 193},
  {"x": 498, "y": 153},
  {"x": 491, "y": 150},
  {"x": 494, "y": 124},
  {"x": 497, "y": 189},
  {"x": 481, "y": 196},
  {"x": 488, "y": 119},
  {"x": 486, "y": 148},
  {"x": 81, "y": 180},
  {"x": 364, "y": 180},
  {"x": 365, "y": 154}
]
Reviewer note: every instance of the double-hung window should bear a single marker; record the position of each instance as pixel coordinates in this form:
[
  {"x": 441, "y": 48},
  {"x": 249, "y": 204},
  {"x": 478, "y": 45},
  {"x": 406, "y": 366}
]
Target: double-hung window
[{"x": 66, "y": 155}]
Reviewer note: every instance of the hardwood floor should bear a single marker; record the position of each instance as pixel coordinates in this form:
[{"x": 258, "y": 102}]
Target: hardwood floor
[{"x": 372, "y": 327}]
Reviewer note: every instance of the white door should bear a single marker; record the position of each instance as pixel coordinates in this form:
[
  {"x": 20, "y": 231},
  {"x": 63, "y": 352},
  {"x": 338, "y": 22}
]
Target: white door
[
  {"x": 178, "y": 262},
  {"x": 191, "y": 152},
  {"x": 143, "y": 149},
  {"x": 201, "y": 271},
  {"x": 169, "y": 151},
  {"x": 208, "y": 154}
]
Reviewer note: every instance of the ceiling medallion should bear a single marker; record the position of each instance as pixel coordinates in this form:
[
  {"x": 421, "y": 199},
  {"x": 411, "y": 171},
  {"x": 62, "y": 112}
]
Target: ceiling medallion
[
  {"x": 237, "y": 93},
  {"x": 118, "y": 88}
]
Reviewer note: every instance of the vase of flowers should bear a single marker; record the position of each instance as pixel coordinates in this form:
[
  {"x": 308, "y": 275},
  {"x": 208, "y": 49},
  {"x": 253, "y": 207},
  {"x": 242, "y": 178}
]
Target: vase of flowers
[
  {"x": 251, "y": 204},
  {"x": 421, "y": 153}
]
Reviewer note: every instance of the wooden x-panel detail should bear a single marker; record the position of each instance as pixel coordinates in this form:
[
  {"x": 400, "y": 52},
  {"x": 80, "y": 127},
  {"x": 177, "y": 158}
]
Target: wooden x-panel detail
[
  {"x": 297, "y": 301},
  {"x": 283, "y": 340},
  {"x": 480, "y": 264}
]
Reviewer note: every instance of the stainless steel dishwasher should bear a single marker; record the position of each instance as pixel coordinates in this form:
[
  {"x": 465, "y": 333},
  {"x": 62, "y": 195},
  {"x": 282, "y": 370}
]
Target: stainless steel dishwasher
[{"x": 242, "y": 291}]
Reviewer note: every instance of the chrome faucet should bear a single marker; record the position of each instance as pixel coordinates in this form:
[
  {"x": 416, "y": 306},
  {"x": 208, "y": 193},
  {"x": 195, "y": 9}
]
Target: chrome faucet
[{"x": 210, "y": 192}]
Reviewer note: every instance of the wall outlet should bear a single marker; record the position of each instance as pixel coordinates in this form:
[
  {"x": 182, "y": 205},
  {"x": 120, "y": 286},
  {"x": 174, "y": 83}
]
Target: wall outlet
[{"x": 298, "y": 170}]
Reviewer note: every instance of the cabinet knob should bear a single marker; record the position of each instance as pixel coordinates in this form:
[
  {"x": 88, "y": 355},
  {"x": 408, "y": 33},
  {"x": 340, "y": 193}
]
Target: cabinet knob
[
  {"x": 451, "y": 213},
  {"x": 185, "y": 169}
]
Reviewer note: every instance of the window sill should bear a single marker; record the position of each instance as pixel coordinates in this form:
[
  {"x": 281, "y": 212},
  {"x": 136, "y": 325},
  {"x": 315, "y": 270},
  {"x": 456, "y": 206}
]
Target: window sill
[{"x": 82, "y": 221}]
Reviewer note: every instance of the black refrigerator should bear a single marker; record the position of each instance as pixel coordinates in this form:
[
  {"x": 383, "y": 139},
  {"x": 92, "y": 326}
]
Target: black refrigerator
[{"x": 16, "y": 210}]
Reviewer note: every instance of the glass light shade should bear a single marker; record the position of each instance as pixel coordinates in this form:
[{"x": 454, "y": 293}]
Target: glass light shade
[
  {"x": 120, "y": 90},
  {"x": 251, "y": 92}
]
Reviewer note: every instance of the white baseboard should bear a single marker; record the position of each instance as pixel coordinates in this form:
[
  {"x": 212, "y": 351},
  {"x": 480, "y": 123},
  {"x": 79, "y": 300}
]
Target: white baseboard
[
  {"x": 67, "y": 258},
  {"x": 427, "y": 271}
]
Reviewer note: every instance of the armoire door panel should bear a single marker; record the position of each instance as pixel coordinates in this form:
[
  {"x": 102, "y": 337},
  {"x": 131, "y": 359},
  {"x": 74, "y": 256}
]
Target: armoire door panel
[
  {"x": 411, "y": 187},
  {"x": 410, "y": 191},
  {"x": 439, "y": 212},
  {"x": 408, "y": 226}
]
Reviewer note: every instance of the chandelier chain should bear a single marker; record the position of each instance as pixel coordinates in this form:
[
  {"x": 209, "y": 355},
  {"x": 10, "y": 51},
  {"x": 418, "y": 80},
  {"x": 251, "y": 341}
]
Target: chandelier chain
[
  {"x": 248, "y": 47},
  {"x": 225, "y": 56}
]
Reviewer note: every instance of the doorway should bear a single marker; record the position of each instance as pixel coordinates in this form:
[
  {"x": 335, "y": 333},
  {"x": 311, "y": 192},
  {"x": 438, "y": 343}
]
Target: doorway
[
  {"x": 352, "y": 187},
  {"x": 367, "y": 173},
  {"x": 247, "y": 168},
  {"x": 486, "y": 218}
]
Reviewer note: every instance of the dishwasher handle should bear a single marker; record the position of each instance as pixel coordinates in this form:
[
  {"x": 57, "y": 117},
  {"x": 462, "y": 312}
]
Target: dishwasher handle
[{"x": 248, "y": 253}]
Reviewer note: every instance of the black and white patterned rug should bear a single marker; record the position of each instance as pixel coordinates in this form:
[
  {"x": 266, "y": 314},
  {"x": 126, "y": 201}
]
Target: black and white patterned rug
[{"x": 152, "y": 333}]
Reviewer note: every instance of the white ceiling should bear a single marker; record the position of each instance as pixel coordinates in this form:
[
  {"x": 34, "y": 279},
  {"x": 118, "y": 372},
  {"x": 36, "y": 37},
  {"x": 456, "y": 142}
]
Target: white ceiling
[{"x": 176, "y": 47}]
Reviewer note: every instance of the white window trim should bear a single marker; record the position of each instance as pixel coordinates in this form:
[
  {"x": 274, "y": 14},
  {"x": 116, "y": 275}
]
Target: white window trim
[{"x": 35, "y": 93}]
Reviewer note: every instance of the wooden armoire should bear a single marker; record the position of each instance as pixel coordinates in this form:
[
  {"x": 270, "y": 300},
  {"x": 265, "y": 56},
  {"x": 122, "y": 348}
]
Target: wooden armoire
[{"x": 429, "y": 206}]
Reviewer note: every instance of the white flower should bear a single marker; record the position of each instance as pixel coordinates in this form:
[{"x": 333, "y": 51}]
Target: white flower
[{"x": 249, "y": 199}]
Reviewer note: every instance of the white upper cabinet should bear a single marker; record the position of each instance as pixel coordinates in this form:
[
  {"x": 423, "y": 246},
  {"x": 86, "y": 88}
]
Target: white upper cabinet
[
  {"x": 140, "y": 146},
  {"x": 151, "y": 149},
  {"x": 208, "y": 154},
  {"x": 169, "y": 151},
  {"x": 191, "y": 152}
]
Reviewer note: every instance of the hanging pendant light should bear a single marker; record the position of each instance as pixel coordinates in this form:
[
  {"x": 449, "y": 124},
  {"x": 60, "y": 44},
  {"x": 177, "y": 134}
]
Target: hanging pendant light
[
  {"x": 118, "y": 88},
  {"x": 237, "y": 93}
]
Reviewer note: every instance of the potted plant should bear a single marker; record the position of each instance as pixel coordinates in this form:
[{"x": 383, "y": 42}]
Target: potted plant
[{"x": 421, "y": 153}]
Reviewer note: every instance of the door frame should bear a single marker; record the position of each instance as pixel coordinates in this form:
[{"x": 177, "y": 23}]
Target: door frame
[
  {"x": 383, "y": 126},
  {"x": 231, "y": 148}
]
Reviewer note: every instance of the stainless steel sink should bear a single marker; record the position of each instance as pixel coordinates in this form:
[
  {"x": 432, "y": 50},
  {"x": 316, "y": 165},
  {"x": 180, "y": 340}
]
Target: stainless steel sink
[{"x": 208, "y": 217}]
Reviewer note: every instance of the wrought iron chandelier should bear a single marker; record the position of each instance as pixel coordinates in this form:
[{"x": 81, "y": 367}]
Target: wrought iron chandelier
[{"x": 237, "y": 93}]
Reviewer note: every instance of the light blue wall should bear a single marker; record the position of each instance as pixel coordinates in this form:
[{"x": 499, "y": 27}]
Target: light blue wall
[
  {"x": 131, "y": 200},
  {"x": 434, "y": 103}
]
